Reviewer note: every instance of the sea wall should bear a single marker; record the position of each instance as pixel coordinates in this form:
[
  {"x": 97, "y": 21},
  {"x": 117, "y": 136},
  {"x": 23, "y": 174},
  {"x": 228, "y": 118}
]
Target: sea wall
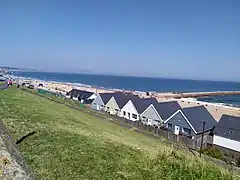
[{"x": 12, "y": 165}]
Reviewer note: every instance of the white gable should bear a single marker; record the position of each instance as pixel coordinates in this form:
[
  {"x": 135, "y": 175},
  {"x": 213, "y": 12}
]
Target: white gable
[
  {"x": 93, "y": 96},
  {"x": 129, "y": 111},
  {"x": 98, "y": 100},
  {"x": 129, "y": 107},
  {"x": 112, "y": 104},
  {"x": 98, "y": 103}
]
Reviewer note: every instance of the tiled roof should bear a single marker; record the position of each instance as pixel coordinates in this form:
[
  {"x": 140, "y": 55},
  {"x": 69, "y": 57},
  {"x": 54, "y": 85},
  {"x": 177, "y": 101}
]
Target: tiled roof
[{"x": 167, "y": 109}]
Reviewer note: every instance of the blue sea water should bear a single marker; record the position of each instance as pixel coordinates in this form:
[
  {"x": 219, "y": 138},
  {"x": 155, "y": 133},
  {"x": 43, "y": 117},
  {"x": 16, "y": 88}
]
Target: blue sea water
[{"x": 142, "y": 84}]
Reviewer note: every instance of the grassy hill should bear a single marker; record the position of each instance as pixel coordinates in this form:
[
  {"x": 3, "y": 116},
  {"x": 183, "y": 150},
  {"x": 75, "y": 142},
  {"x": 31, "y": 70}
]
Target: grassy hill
[{"x": 71, "y": 144}]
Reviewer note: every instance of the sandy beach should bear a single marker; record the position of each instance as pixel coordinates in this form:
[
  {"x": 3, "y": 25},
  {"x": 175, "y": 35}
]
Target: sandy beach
[{"x": 217, "y": 110}]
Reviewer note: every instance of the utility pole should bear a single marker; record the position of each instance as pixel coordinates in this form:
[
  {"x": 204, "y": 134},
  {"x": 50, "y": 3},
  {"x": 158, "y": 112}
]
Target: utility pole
[{"x": 203, "y": 129}]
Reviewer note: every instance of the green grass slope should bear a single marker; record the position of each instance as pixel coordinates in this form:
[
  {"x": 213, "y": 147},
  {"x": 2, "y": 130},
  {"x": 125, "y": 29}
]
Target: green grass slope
[{"x": 71, "y": 144}]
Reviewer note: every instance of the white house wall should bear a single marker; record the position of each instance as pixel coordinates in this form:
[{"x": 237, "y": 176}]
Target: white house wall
[
  {"x": 130, "y": 109},
  {"x": 227, "y": 143}
]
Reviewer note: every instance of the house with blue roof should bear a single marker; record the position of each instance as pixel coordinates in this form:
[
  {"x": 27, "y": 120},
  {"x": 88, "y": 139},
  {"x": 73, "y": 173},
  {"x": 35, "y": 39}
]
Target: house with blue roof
[{"x": 189, "y": 121}]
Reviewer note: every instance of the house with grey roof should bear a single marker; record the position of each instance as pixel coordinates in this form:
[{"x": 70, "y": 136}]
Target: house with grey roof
[
  {"x": 117, "y": 101},
  {"x": 101, "y": 100},
  {"x": 85, "y": 97},
  {"x": 157, "y": 113},
  {"x": 135, "y": 106},
  {"x": 227, "y": 133},
  {"x": 189, "y": 121}
]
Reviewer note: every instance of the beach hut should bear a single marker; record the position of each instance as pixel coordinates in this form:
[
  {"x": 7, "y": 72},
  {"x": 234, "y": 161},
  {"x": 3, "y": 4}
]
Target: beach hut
[
  {"x": 157, "y": 113},
  {"x": 101, "y": 100},
  {"x": 190, "y": 121},
  {"x": 227, "y": 133}
]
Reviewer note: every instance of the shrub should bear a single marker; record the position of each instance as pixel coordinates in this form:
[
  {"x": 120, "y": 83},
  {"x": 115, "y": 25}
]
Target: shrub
[{"x": 213, "y": 152}]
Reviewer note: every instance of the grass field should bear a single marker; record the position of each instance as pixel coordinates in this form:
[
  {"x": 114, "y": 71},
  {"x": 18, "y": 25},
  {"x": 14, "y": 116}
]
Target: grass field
[
  {"x": 2, "y": 83},
  {"x": 71, "y": 144}
]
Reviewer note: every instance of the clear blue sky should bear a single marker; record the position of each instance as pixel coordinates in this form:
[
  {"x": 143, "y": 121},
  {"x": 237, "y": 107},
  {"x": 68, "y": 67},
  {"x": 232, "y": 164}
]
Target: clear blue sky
[{"x": 198, "y": 39}]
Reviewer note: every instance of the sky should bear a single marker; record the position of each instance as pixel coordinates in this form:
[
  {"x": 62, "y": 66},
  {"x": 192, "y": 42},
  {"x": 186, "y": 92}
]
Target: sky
[{"x": 196, "y": 39}]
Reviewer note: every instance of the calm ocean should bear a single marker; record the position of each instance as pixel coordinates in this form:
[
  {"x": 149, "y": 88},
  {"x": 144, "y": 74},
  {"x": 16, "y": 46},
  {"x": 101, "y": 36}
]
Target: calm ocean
[{"x": 142, "y": 84}]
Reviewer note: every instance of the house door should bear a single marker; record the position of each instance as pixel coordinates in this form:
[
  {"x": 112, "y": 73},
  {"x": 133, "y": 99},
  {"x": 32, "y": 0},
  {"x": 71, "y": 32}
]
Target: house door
[
  {"x": 98, "y": 108},
  {"x": 149, "y": 122},
  {"x": 177, "y": 129},
  {"x": 111, "y": 111},
  {"x": 129, "y": 115}
]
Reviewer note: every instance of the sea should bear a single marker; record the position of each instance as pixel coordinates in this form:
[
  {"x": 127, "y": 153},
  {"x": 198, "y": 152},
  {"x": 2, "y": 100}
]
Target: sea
[{"x": 145, "y": 84}]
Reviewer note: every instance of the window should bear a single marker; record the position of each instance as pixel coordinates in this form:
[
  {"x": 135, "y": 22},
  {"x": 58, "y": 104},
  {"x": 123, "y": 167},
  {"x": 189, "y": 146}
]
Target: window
[
  {"x": 134, "y": 116},
  {"x": 124, "y": 113},
  {"x": 186, "y": 131},
  {"x": 169, "y": 126},
  {"x": 156, "y": 122}
]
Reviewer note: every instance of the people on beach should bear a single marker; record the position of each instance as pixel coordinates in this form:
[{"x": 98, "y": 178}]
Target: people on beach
[{"x": 9, "y": 82}]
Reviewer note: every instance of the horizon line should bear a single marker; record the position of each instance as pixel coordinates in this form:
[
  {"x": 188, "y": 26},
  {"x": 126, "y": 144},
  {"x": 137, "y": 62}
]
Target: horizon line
[{"x": 88, "y": 72}]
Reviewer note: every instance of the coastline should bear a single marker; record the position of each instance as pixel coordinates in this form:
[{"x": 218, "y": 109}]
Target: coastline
[{"x": 216, "y": 109}]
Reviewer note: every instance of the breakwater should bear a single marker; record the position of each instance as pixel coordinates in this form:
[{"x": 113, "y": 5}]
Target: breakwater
[{"x": 200, "y": 94}]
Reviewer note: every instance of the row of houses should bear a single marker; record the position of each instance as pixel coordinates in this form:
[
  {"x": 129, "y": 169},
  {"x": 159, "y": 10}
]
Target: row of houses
[
  {"x": 170, "y": 115},
  {"x": 190, "y": 122}
]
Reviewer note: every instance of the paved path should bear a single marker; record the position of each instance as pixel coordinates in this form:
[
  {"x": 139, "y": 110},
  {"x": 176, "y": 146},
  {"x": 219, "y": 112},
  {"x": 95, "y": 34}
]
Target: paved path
[{"x": 3, "y": 87}]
